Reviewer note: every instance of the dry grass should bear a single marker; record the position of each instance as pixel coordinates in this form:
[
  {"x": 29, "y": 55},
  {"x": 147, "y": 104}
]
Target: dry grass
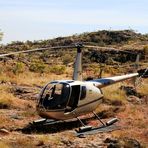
[
  {"x": 133, "y": 117},
  {"x": 49, "y": 139},
  {"x": 4, "y": 121},
  {"x": 134, "y": 133},
  {"x": 4, "y": 145},
  {"x": 33, "y": 141},
  {"x": 23, "y": 142},
  {"x": 30, "y": 78},
  {"x": 114, "y": 92},
  {"x": 29, "y": 113},
  {"x": 8, "y": 100},
  {"x": 134, "y": 123},
  {"x": 143, "y": 87}
]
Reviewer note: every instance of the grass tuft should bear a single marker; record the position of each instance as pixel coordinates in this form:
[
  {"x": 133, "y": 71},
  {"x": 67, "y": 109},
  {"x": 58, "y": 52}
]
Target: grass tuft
[
  {"x": 115, "y": 94},
  {"x": 4, "y": 145}
]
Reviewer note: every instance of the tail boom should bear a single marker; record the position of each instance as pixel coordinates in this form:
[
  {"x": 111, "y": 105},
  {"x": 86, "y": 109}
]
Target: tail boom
[{"x": 103, "y": 82}]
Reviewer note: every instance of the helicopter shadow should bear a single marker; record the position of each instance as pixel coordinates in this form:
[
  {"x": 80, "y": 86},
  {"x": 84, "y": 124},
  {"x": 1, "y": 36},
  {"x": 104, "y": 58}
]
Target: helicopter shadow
[{"x": 52, "y": 128}]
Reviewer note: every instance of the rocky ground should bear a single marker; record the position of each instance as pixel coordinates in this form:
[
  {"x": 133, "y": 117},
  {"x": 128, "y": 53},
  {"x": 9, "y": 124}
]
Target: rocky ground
[
  {"x": 132, "y": 116},
  {"x": 22, "y": 77}
]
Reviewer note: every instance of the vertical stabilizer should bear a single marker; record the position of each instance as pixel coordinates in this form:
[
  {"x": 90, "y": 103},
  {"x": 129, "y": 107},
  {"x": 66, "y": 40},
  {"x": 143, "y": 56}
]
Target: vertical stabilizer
[{"x": 77, "y": 74}]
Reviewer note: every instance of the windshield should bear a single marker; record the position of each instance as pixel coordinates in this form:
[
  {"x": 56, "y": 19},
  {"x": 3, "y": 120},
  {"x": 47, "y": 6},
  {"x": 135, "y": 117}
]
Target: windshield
[{"x": 55, "y": 96}]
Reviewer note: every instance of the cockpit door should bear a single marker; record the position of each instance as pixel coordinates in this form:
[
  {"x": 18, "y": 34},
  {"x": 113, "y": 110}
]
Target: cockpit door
[{"x": 74, "y": 98}]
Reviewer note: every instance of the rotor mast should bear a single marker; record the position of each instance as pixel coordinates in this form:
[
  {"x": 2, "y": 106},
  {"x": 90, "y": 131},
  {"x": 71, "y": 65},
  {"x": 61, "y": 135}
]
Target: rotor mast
[{"x": 77, "y": 74}]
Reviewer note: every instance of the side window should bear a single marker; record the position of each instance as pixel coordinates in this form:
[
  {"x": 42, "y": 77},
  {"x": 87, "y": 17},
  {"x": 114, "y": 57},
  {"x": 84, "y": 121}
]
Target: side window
[{"x": 83, "y": 93}]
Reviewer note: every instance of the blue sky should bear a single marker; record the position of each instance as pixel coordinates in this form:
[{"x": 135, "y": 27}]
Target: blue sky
[{"x": 43, "y": 19}]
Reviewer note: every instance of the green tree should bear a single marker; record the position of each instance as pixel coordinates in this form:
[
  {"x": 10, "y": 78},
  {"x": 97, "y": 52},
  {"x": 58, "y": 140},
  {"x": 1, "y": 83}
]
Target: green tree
[{"x": 1, "y": 35}]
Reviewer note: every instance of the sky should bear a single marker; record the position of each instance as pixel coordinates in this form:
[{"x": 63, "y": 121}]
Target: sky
[{"x": 22, "y": 20}]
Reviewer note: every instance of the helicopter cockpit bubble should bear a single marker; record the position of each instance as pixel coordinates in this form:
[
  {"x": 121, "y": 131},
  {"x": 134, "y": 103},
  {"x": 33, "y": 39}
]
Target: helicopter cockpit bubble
[{"x": 54, "y": 96}]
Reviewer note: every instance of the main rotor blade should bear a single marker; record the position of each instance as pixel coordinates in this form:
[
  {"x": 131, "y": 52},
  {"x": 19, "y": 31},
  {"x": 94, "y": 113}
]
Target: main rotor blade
[
  {"x": 108, "y": 48},
  {"x": 99, "y": 47},
  {"x": 59, "y": 47},
  {"x": 34, "y": 50}
]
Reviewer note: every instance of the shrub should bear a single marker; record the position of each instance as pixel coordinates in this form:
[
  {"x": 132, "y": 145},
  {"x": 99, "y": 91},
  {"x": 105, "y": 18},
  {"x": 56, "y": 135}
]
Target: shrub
[
  {"x": 67, "y": 59},
  {"x": 19, "y": 67},
  {"x": 37, "y": 67},
  {"x": 95, "y": 69},
  {"x": 145, "y": 48},
  {"x": 6, "y": 98},
  {"x": 5, "y": 103},
  {"x": 61, "y": 53},
  {"x": 57, "y": 69}
]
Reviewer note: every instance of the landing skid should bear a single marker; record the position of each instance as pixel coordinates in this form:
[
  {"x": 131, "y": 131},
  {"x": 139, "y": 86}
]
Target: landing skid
[
  {"x": 52, "y": 126},
  {"x": 94, "y": 130},
  {"x": 105, "y": 127}
]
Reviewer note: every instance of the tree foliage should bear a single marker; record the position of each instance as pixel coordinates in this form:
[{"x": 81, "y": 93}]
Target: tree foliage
[{"x": 1, "y": 35}]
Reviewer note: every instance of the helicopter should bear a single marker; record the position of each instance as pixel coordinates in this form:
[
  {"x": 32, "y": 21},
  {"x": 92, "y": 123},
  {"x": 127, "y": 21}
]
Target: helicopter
[{"x": 69, "y": 99}]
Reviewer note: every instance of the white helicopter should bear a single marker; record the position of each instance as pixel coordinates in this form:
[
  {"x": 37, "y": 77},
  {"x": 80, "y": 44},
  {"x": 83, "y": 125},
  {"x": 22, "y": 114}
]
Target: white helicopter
[{"x": 69, "y": 99}]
